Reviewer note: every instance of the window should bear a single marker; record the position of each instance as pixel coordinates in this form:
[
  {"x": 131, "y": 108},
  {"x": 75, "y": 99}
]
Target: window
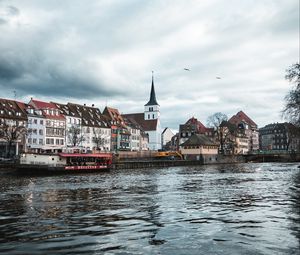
[
  {"x": 153, "y": 116},
  {"x": 35, "y": 121},
  {"x": 34, "y": 131},
  {"x": 34, "y": 141},
  {"x": 57, "y": 142},
  {"x": 29, "y": 140},
  {"x": 41, "y": 122},
  {"x": 41, "y": 141},
  {"x": 41, "y": 132},
  {"x": 148, "y": 116},
  {"x": 61, "y": 142}
]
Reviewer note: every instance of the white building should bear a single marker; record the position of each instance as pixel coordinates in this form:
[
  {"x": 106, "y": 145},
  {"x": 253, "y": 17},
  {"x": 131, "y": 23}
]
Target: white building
[
  {"x": 36, "y": 130},
  {"x": 166, "y": 136},
  {"x": 95, "y": 131},
  {"x": 54, "y": 125}
]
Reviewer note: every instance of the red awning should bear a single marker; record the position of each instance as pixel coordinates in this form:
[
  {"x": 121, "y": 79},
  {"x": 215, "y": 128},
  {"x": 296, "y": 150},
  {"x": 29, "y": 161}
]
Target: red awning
[{"x": 85, "y": 155}]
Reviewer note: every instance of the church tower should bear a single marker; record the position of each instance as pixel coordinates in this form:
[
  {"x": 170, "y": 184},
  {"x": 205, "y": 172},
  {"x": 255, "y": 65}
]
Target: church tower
[{"x": 151, "y": 111}]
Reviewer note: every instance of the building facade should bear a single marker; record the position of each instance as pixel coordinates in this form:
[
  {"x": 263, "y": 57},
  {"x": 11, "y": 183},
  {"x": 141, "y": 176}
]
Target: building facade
[
  {"x": 54, "y": 125},
  {"x": 199, "y": 147},
  {"x": 13, "y": 127},
  {"x": 244, "y": 122},
  {"x": 279, "y": 137}
]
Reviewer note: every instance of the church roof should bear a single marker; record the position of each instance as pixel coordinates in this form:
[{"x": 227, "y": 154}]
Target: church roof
[
  {"x": 152, "y": 100},
  {"x": 147, "y": 125}
]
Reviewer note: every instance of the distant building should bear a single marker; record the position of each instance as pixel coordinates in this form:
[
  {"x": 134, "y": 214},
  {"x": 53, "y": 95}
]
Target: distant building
[
  {"x": 54, "y": 123},
  {"x": 192, "y": 127},
  {"x": 166, "y": 136},
  {"x": 150, "y": 120},
  {"x": 36, "y": 130},
  {"x": 120, "y": 134},
  {"x": 200, "y": 147},
  {"x": 13, "y": 127},
  {"x": 244, "y": 122},
  {"x": 279, "y": 137}
]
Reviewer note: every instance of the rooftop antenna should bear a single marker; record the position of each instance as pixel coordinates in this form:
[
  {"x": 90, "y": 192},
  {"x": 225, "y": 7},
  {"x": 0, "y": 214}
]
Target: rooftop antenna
[{"x": 15, "y": 95}]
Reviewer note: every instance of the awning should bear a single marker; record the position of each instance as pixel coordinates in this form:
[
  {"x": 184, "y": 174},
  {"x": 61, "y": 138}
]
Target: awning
[{"x": 85, "y": 155}]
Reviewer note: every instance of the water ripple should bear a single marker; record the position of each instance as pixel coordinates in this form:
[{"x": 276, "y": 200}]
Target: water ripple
[{"x": 217, "y": 209}]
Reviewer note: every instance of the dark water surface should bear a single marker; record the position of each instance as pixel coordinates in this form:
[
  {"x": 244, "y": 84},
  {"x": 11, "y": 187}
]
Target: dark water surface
[{"x": 228, "y": 209}]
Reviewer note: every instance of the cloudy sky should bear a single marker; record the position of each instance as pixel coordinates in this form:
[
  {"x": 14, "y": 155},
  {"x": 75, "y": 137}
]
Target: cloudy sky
[{"x": 103, "y": 51}]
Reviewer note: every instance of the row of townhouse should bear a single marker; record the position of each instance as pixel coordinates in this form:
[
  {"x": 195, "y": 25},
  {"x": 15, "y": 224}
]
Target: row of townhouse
[{"x": 53, "y": 127}]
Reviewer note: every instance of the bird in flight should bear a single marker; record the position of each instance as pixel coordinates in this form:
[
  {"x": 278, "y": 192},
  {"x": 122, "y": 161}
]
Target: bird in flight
[
  {"x": 186, "y": 69},
  {"x": 218, "y": 77}
]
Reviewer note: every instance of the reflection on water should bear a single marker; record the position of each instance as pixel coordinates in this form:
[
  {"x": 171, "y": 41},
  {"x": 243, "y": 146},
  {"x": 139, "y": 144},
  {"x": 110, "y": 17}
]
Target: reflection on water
[{"x": 224, "y": 209}]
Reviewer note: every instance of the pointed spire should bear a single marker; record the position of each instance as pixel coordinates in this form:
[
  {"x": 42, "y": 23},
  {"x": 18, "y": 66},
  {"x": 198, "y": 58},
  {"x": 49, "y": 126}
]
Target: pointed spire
[{"x": 152, "y": 100}]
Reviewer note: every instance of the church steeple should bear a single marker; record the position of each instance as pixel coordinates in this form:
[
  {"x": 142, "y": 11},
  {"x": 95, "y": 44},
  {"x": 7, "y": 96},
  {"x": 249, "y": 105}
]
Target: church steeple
[
  {"x": 151, "y": 111},
  {"x": 152, "y": 100}
]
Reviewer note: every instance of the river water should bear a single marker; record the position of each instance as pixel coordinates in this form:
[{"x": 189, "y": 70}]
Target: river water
[{"x": 225, "y": 209}]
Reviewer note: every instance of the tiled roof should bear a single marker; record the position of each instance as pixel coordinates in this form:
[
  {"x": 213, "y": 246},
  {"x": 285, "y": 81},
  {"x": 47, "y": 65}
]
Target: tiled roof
[
  {"x": 198, "y": 139},
  {"x": 114, "y": 116},
  {"x": 44, "y": 106},
  {"x": 196, "y": 124},
  {"x": 91, "y": 116},
  {"x": 11, "y": 109},
  {"x": 242, "y": 117},
  {"x": 147, "y": 125}
]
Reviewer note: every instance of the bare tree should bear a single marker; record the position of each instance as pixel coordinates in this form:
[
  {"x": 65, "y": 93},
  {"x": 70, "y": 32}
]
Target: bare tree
[
  {"x": 221, "y": 131},
  {"x": 11, "y": 133},
  {"x": 98, "y": 138},
  {"x": 292, "y": 99},
  {"x": 74, "y": 136},
  {"x": 293, "y": 137}
]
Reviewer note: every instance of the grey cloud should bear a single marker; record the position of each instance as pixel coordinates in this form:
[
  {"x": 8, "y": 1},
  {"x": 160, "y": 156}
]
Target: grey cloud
[
  {"x": 10, "y": 69},
  {"x": 2, "y": 21},
  {"x": 13, "y": 11},
  {"x": 107, "y": 49}
]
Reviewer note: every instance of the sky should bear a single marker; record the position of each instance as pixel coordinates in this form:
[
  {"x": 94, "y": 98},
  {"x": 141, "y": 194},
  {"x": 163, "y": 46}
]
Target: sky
[{"x": 103, "y": 52}]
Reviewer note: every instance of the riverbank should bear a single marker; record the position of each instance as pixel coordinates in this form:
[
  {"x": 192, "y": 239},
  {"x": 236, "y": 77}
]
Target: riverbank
[{"x": 219, "y": 159}]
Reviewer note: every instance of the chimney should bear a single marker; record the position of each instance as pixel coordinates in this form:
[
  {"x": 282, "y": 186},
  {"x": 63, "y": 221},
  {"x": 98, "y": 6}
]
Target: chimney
[{"x": 92, "y": 105}]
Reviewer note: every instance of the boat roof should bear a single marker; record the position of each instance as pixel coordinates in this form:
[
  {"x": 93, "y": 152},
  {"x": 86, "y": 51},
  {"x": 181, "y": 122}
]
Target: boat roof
[{"x": 85, "y": 155}]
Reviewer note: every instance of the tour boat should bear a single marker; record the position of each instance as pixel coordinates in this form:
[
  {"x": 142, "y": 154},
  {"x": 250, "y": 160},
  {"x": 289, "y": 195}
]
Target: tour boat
[{"x": 65, "y": 162}]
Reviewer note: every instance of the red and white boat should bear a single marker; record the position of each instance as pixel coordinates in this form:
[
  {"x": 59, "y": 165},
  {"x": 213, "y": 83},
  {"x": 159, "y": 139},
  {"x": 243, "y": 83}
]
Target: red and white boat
[{"x": 65, "y": 162}]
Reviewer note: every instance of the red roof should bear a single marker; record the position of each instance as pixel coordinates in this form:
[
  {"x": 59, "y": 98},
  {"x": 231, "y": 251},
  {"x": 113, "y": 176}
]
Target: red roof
[
  {"x": 201, "y": 128},
  {"x": 40, "y": 105},
  {"x": 241, "y": 116},
  {"x": 43, "y": 105},
  {"x": 147, "y": 125},
  {"x": 113, "y": 115}
]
